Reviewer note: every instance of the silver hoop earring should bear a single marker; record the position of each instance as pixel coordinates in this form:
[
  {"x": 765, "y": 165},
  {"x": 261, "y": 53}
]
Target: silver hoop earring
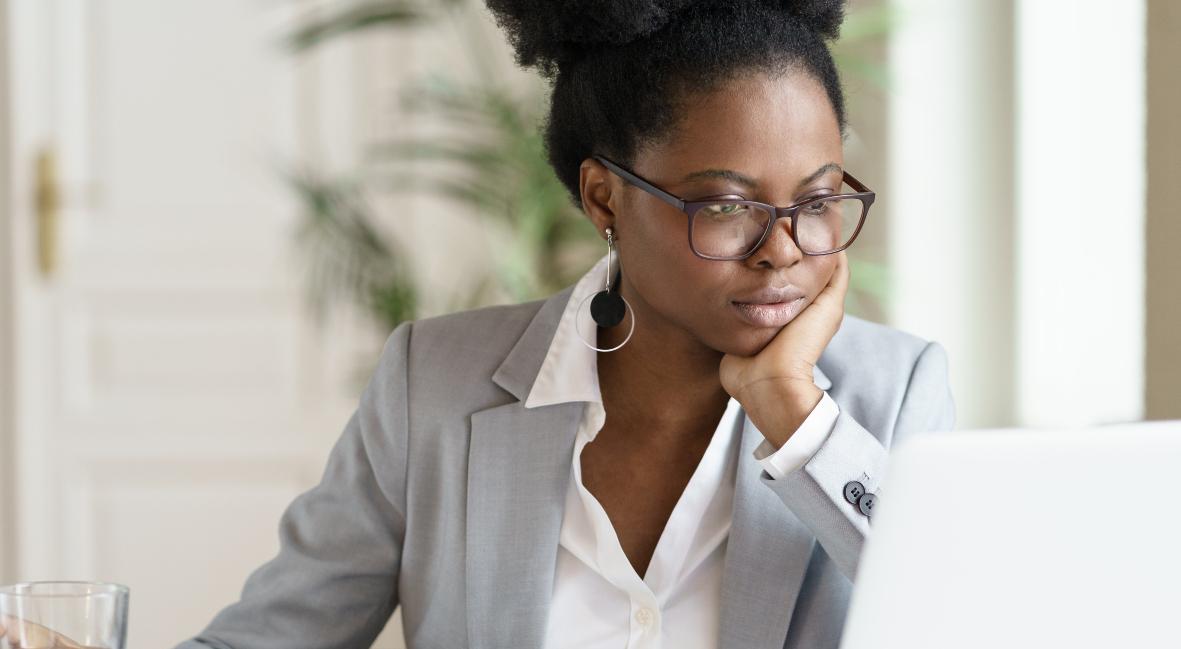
[{"x": 607, "y": 307}]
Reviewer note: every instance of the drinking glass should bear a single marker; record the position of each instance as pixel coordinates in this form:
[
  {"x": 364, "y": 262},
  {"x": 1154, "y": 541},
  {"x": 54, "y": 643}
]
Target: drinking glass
[{"x": 63, "y": 615}]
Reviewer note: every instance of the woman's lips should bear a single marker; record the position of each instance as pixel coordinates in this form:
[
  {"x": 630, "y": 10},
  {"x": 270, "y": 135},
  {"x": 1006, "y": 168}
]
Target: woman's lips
[{"x": 775, "y": 314}]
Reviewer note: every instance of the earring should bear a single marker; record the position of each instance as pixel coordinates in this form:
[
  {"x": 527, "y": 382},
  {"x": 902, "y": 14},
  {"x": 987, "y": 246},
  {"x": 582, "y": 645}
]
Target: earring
[{"x": 608, "y": 306}]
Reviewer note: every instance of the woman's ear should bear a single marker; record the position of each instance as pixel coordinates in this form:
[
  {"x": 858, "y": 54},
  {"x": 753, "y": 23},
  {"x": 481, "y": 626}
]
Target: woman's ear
[{"x": 598, "y": 188}]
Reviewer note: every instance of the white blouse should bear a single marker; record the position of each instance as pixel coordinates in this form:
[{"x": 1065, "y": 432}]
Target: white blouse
[{"x": 598, "y": 598}]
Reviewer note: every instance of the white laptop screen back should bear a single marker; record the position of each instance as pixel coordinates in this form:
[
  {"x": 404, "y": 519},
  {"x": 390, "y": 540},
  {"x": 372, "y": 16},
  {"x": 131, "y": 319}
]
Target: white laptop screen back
[{"x": 1025, "y": 539}]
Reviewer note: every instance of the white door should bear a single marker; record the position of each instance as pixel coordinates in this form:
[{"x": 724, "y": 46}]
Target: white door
[{"x": 171, "y": 396}]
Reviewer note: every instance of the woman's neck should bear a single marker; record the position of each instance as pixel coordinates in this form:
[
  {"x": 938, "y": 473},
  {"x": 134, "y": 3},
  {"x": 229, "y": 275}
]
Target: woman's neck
[{"x": 663, "y": 381}]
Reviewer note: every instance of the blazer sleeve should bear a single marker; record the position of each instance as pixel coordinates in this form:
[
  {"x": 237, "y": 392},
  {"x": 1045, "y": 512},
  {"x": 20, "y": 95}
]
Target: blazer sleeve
[
  {"x": 334, "y": 582},
  {"x": 815, "y": 491}
]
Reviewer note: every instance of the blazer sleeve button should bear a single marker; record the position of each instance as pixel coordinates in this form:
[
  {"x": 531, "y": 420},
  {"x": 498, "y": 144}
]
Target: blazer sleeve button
[
  {"x": 853, "y": 491},
  {"x": 866, "y": 503}
]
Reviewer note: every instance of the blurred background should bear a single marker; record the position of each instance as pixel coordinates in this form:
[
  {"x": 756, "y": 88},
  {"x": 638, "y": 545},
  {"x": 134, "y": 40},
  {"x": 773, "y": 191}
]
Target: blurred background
[{"x": 213, "y": 212}]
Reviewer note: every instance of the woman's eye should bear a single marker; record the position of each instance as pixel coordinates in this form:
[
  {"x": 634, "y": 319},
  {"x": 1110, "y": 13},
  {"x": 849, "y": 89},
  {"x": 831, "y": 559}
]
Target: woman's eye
[
  {"x": 725, "y": 210},
  {"x": 816, "y": 208}
]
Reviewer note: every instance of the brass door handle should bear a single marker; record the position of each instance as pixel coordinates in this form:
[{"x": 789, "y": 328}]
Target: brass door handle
[{"x": 46, "y": 203}]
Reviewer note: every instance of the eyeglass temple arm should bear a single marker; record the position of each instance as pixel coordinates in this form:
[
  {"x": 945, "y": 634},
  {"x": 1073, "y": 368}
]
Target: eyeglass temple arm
[
  {"x": 640, "y": 182},
  {"x": 856, "y": 184}
]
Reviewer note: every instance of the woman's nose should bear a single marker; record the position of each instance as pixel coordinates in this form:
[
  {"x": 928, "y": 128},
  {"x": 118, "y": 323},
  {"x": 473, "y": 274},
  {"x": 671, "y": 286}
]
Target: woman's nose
[{"x": 778, "y": 249}]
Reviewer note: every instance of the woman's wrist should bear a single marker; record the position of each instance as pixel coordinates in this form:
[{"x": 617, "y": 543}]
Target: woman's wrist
[{"x": 780, "y": 412}]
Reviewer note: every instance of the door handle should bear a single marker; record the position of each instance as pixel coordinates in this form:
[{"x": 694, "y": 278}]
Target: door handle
[{"x": 46, "y": 204}]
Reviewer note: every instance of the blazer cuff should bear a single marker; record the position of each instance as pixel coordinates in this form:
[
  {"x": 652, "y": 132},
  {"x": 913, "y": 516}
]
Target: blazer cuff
[
  {"x": 803, "y": 443},
  {"x": 815, "y": 491}
]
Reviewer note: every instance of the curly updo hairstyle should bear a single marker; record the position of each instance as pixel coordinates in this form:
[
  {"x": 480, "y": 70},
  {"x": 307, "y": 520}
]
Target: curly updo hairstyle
[{"x": 619, "y": 69}]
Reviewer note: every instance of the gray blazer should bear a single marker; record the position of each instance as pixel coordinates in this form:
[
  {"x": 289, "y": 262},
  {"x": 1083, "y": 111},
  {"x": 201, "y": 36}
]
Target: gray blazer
[{"x": 444, "y": 496}]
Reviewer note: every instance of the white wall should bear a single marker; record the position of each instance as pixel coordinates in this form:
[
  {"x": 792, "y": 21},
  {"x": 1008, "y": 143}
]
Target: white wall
[
  {"x": 948, "y": 204},
  {"x": 1010, "y": 124},
  {"x": 1081, "y": 210}
]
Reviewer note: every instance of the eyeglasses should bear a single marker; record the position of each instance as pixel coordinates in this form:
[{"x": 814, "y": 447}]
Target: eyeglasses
[{"x": 726, "y": 229}]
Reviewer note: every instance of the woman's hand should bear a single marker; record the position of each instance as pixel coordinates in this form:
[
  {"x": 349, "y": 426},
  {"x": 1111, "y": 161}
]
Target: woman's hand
[{"x": 775, "y": 386}]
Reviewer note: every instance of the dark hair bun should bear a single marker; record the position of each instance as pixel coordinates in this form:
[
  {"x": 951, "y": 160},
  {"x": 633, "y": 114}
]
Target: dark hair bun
[
  {"x": 822, "y": 16},
  {"x": 548, "y": 33}
]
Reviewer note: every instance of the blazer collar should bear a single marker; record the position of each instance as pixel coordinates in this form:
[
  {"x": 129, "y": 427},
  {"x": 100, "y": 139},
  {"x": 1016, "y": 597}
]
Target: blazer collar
[{"x": 520, "y": 366}]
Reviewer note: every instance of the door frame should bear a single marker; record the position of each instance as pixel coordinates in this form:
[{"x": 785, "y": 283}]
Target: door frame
[
  {"x": 7, "y": 315},
  {"x": 22, "y": 301}
]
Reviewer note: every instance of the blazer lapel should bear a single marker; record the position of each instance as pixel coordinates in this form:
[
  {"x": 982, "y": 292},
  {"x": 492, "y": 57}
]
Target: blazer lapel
[
  {"x": 767, "y": 555},
  {"x": 518, "y": 473}
]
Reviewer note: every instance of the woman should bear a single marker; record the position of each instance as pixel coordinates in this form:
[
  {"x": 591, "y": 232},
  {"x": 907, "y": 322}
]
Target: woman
[{"x": 706, "y": 478}]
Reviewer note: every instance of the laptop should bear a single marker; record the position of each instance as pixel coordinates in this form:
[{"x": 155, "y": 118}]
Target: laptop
[{"x": 1024, "y": 538}]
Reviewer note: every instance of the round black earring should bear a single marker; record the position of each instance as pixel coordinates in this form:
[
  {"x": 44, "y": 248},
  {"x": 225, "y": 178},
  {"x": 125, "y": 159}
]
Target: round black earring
[{"x": 607, "y": 307}]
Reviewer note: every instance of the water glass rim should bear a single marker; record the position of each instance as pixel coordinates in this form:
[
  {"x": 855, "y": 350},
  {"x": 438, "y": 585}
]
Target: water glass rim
[{"x": 94, "y": 589}]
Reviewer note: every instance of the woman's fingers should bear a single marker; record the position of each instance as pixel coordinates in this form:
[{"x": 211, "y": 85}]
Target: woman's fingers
[
  {"x": 838, "y": 284},
  {"x": 841, "y": 275},
  {"x": 27, "y": 634}
]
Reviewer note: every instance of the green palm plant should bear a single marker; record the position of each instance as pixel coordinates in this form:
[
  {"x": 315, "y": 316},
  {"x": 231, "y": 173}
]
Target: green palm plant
[
  {"x": 496, "y": 168},
  {"x": 346, "y": 252}
]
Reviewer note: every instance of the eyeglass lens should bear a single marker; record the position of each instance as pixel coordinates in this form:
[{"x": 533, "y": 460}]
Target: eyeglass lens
[{"x": 732, "y": 229}]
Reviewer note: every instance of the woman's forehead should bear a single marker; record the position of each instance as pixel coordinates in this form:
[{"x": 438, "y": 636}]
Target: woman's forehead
[{"x": 755, "y": 125}]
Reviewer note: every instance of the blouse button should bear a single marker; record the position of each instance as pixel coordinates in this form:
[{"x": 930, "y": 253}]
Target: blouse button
[{"x": 644, "y": 616}]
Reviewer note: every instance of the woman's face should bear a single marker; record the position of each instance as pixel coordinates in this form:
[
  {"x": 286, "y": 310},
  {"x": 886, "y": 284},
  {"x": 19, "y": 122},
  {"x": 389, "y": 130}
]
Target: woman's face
[{"x": 777, "y": 131}]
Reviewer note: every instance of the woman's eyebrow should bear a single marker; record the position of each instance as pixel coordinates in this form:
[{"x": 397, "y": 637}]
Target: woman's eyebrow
[
  {"x": 724, "y": 174},
  {"x": 832, "y": 166},
  {"x": 743, "y": 179}
]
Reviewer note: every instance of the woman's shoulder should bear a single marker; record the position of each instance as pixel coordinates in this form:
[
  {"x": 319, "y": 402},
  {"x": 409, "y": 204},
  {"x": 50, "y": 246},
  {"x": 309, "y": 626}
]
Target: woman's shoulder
[
  {"x": 873, "y": 350},
  {"x": 455, "y": 355},
  {"x": 878, "y": 371},
  {"x": 487, "y": 328},
  {"x": 859, "y": 332}
]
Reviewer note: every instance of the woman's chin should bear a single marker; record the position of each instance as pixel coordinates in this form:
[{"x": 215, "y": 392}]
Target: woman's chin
[{"x": 751, "y": 341}]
